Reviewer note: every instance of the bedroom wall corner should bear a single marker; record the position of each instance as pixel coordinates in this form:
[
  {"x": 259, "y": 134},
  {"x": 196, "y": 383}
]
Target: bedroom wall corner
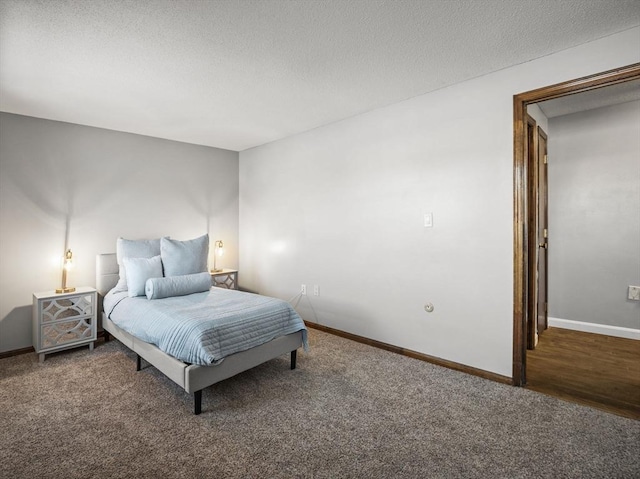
[{"x": 92, "y": 185}]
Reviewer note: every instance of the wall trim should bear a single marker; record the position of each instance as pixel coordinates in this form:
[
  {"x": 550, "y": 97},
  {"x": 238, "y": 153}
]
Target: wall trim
[
  {"x": 16, "y": 352},
  {"x": 413, "y": 354},
  {"x": 617, "y": 331},
  {"x": 30, "y": 349}
]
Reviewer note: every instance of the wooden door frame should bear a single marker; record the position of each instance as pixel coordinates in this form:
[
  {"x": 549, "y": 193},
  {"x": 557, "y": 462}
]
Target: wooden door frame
[{"x": 521, "y": 193}]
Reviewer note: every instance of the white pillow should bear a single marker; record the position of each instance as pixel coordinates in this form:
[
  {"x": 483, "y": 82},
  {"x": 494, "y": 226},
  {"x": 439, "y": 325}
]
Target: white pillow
[
  {"x": 158, "y": 288},
  {"x": 139, "y": 270},
  {"x": 133, "y": 249},
  {"x": 184, "y": 257}
]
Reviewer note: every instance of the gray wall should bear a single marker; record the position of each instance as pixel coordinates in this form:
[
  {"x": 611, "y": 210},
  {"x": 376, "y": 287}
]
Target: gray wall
[
  {"x": 104, "y": 184},
  {"x": 594, "y": 215},
  {"x": 538, "y": 115},
  {"x": 342, "y": 206}
]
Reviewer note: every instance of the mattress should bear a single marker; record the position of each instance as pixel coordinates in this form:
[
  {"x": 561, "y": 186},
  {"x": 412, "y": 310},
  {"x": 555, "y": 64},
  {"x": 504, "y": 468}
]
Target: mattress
[{"x": 204, "y": 328}]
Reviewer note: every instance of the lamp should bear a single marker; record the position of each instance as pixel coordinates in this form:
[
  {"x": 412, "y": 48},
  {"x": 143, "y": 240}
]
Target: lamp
[
  {"x": 66, "y": 266},
  {"x": 218, "y": 250}
]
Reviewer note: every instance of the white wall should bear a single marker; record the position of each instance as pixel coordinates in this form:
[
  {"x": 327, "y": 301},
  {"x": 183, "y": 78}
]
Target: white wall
[
  {"x": 342, "y": 206},
  {"x": 538, "y": 115},
  {"x": 594, "y": 215},
  {"x": 109, "y": 184}
]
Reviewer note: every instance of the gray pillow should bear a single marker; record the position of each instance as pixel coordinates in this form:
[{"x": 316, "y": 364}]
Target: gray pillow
[
  {"x": 133, "y": 249},
  {"x": 184, "y": 257},
  {"x": 139, "y": 270},
  {"x": 158, "y": 288}
]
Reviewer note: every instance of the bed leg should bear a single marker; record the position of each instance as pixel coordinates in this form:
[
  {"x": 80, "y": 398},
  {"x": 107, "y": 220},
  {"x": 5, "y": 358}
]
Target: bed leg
[
  {"x": 138, "y": 362},
  {"x": 294, "y": 355},
  {"x": 197, "y": 402},
  {"x": 107, "y": 336}
]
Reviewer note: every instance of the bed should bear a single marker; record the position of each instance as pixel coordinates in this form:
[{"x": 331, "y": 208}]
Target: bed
[{"x": 193, "y": 378}]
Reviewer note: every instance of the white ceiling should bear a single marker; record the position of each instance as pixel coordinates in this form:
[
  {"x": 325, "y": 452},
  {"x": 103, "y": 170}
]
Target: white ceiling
[{"x": 240, "y": 73}]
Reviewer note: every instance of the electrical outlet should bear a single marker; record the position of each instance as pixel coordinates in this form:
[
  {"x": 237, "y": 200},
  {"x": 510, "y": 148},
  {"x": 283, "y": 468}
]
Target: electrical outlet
[
  {"x": 303, "y": 289},
  {"x": 316, "y": 290},
  {"x": 634, "y": 293}
]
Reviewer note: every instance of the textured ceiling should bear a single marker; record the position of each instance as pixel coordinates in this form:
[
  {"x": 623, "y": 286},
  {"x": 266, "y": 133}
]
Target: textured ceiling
[{"x": 241, "y": 73}]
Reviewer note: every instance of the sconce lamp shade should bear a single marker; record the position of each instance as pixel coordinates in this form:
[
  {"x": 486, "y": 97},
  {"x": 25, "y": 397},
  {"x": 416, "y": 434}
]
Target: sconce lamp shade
[
  {"x": 218, "y": 250},
  {"x": 66, "y": 266}
]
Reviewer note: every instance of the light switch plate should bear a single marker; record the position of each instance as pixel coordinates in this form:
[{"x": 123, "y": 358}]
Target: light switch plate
[
  {"x": 428, "y": 220},
  {"x": 634, "y": 293}
]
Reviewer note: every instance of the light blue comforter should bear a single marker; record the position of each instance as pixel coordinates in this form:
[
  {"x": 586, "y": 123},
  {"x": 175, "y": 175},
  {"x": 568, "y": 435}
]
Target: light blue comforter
[{"x": 204, "y": 328}]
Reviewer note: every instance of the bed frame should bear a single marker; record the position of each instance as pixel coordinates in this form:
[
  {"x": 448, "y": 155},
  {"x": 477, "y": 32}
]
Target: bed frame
[{"x": 192, "y": 378}]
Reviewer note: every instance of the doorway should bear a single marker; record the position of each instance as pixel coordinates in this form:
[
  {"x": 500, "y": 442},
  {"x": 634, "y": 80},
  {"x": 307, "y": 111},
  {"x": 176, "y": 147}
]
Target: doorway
[{"x": 526, "y": 243}]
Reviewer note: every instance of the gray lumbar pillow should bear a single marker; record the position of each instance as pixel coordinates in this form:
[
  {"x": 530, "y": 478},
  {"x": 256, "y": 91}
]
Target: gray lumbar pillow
[
  {"x": 184, "y": 257},
  {"x": 158, "y": 288}
]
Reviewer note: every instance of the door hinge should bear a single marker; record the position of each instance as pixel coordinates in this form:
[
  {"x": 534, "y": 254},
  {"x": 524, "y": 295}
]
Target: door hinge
[
  {"x": 545, "y": 160},
  {"x": 545, "y": 233}
]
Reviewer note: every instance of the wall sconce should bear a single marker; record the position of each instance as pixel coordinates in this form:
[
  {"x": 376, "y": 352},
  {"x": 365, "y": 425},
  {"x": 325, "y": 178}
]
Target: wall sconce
[
  {"x": 218, "y": 250},
  {"x": 66, "y": 266}
]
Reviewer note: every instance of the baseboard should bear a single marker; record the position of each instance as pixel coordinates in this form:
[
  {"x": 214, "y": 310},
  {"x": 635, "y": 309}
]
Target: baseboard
[
  {"x": 607, "y": 330},
  {"x": 413, "y": 354},
  {"x": 16, "y": 352},
  {"x": 29, "y": 349}
]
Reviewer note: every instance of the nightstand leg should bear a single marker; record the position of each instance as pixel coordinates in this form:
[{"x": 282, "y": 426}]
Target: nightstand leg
[
  {"x": 41, "y": 357},
  {"x": 90, "y": 346}
]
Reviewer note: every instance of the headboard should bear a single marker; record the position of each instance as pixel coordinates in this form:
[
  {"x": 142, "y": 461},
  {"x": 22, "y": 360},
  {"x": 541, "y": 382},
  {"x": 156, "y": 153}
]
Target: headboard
[{"x": 107, "y": 272}]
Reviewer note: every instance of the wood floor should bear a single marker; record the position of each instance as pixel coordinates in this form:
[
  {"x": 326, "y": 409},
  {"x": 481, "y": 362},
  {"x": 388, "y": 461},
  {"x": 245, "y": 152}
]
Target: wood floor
[{"x": 592, "y": 369}]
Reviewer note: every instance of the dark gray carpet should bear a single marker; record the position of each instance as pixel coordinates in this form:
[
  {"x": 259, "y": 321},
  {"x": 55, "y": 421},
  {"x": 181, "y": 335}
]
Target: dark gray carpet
[{"x": 348, "y": 411}]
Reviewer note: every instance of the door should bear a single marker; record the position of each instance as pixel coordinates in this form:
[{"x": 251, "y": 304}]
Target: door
[
  {"x": 537, "y": 236},
  {"x": 531, "y": 152},
  {"x": 543, "y": 234}
]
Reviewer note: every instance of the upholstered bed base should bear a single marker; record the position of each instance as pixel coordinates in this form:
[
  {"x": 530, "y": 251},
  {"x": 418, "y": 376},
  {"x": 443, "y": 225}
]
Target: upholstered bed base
[{"x": 192, "y": 378}]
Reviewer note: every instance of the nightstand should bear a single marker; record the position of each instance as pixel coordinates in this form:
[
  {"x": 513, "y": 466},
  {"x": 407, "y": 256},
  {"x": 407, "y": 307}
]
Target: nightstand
[
  {"x": 225, "y": 278},
  {"x": 63, "y": 321}
]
